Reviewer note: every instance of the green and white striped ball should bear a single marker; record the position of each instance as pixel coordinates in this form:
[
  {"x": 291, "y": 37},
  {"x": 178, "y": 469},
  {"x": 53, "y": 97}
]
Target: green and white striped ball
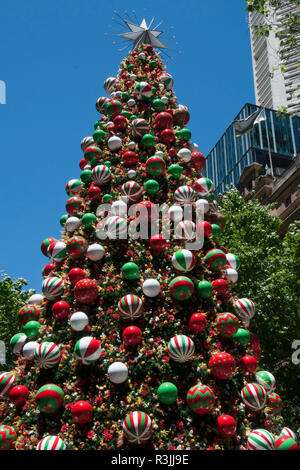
[
  {"x": 73, "y": 187},
  {"x": 260, "y": 439},
  {"x": 88, "y": 350},
  {"x": 17, "y": 342},
  {"x": 204, "y": 187},
  {"x": 186, "y": 229},
  {"x": 87, "y": 142},
  {"x": 132, "y": 190},
  {"x": 254, "y": 396},
  {"x": 246, "y": 309},
  {"x": 53, "y": 287},
  {"x": 101, "y": 174},
  {"x": 130, "y": 306},
  {"x": 47, "y": 355},
  {"x": 51, "y": 443},
  {"x": 288, "y": 432},
  {"x": 181, "y": 348},
  {"x": 116, "y": 227},
  {"x": 7, "y": 381},
  {"x": 184, "y": 195},
  {"x": 183, "y": 260},
  {"x": 233, "y": 261},
  {"x": 266, "y": 379},
  {"x": 143, "y": 90},
  {"x": 57, "y": 251}
]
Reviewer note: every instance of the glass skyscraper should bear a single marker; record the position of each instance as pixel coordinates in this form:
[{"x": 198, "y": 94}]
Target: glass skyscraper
[{"x": 273, "y": 149}]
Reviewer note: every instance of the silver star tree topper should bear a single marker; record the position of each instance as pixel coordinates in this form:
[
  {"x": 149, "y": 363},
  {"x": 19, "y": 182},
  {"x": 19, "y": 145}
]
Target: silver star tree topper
[{"x": 142, "y": 34}]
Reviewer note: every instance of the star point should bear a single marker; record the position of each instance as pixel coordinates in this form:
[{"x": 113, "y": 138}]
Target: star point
[{"x": 142, "y": 34}]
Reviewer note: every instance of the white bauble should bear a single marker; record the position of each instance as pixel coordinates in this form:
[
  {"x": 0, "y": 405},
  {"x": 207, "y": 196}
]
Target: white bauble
[
  {"x": 132, "y": 76},
  {"x": 131, "y": 145},
  {"x": 131, "y": 174},
  {"x": 78, "y": 321},
  {"x": 114, "y": 143},
  {"x": 117, "y": 372},
  {"x": 142, "y": 55},
  {"x": 95, "y": 252},
  {"x": 194, "y": 147},
  {"x": 119, "y": 208},
  {"x": 131, "y": 102},
  {"x": 36, "y": 299},
  {"x": 113, "y": 94},
  {"x": 175, "y": 212},
  {"x": 72, "y": 223},
  {"x": 184, "y": 154},
  {"x": 165, "y": 99},
  {"x": 202, "y": 205},
  {"x": 159, "y": 153},
  {"x": 231, "y": 275},
  {"x": 118, "y": 94},
  {"x": 29, "y": 350},
  {"x": 151, "y": 287},
  {"x": 87, "y": 166}
]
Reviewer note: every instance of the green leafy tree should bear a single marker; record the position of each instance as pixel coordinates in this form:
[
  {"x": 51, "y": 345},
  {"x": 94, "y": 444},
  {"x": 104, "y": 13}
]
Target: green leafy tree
[
  {"x": 269, "y": 275},
  {"x": 12, "y": 298}
]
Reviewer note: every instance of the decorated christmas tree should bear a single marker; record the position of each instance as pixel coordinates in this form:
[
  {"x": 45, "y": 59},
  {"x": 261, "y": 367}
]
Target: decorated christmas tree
[{"x": 138, "y": 340}]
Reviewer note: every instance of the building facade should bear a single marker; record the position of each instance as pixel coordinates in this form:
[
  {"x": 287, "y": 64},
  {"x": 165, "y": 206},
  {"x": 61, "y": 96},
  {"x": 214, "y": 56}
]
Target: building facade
[
  {"x": 274, "y": 88},
  {"x": 273, "y": 143}
]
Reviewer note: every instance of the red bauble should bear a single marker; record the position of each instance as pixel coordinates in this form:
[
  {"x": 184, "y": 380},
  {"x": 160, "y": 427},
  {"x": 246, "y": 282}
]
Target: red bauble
[
  {"x": 172, "y": 152},
  {"x": 86, "y": 291},
  {"x": 158, "y": 243},
  {"x": 282, "y": 439},
  {"x": 254, "y": 341},
  {"x": 248, "y": 364},
  {"x": 94, "y": 193},
  {"x": 198, "y": 161},
  {"x": 75, "y": 275},
  {"x": 82, "y": 412},
  {"x": 130, "y": 158},
  {"x": 164, "y": 121},
  {"x": 204, "y": 229},
  {"x": 146, "y": 211},
  {"x": 220, "y": 286},
  {"x": 132, "y": 335},
  {"x": 19, "y": 394},
  {"x": 226, "y": 425},
  {"x": 197, "y": 322},
  {"x": 60, "y": 309},
  {"x": 82, "y": 164},
  {"x": 48, "y": 269},
  {"x": 167, "y": 136},
  {"x": 222, "y": 365},
  {"x": 120, "y": 122}
]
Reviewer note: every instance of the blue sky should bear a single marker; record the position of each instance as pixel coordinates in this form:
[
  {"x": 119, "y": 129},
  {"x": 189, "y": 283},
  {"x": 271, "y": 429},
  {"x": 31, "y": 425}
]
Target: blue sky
[{"x": 54, "y": 58}]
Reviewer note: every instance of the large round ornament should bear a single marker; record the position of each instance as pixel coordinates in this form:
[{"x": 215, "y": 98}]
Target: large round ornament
[
  {"x": 53, "y": 287},
  {"x": 130, "y": 306},
  {"x": 197, "y": 322},
  {"x": 78, "y": 321},
  {"x": 73, "y": 187},
  {"x": 95, "y": 252},
  {"x": 72, "y": 224},
  {"x": 143, "y": 90},
  {"x": 220, "y": 286},
  {"x": 18, "y": 395},
  {"x": 49, "y": 398},
  {"x": 7, "y": 381},
  {"x": 254, "y": 396},
  {"x": 47, "y": 355},
  {"x": 86, "y": 291},
  {"x": 181, "y": 115},
  {"x": 132, "y": 335},
  {"x": 204, "y": 187},
  {"x": 184, "y": 195},
  {"x": 60, "y": 310},
  {"x": 266, "y": 379},
  {"x": 222, "y": 365},
  {"x": 226, "y": 425},
  {"x": 75, "y": 275},
  {"x": 158, "y": 243},
  {"x": 275, "y": 403},
  {"x": 112, "y": 108},
  {"x": 116, "y": 227},
  {"x": 28, "y": 313},
  {"x": 130, "y": 271},
  {"x": 186, "y": 229},
  {"x": 31, "y": 329},
  {"x": 57, "y": 251},
  {"x": 167, "y": 80},
  {"x": 183, "y": 260},
  {"x": 155, "y": 165},
  {"x": 17, "y": 342},
  {"x": 74, "y": 205},
  {"x": 7, "y": 437},
  {"x": 260, "y": 439},
  {"x": 88, "y": 220},
  {"x": 100, "y": 106},
  {"x": 227, "y": 324},
  {"x": 82, "y": 412},
  {"x": 132, "y": 190},
  {"x": 139, "y": 127},
  {"x": 167, "y": 393},
  {"x": 285, "y": 443},
  {"x": 242, "y": 336},
  {"x": 119, "y": 208},
  {"x": 181, "y": 288},
  {"x": 197, "y": 161},
  {"x": 29, "y": 350},
  {"x": 151, "y": 287},
  {"x": 200, "y": 399},
  {"x": 248, "y": 364},
  {"x": 163, "y": 120},
  {"x": 215, "y": 259},
  {"x": 246, "y": 309},
  {"x": 114, "y": 143},
  {"x": 88, "y": 350},
  {"x": 137, "y": 427},
  {"x": 218, "y": 219},
  {"x": 288, "y": 432},
  {"x": 204, "y": 289},
  {"x": 35, "y": 299},
  {"x": 231, "y": 275},
  {"x": 233, "y": 261},
  {"x": 109, "y": 84},
  {"x": 45, "y": 244},
  {"x": 51, "y": 443},
  {"x": 117, "y": 372},
  {"x": 181, "y": 348},
  {"x": 101, "y": 174},
  {"x": 48, "y": 269}
]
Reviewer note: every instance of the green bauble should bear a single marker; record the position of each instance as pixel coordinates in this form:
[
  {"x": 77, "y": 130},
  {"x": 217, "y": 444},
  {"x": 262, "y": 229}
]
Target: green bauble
[
  {"x": 130, "y": 67},
  {"x": 133, "y": 117},
  {"x": 204, "y": 289},
  {"x": 130, "y": 271},
  {"x": 242, "y": 337},
  {"x": 124, "y": 96},
  {"x": 167, "y": 393},
  {"x": 125, "y": 113},
  {"x": 152, "y": 64},
  {"x": 88, "y": 220},
  {"x": 151, "y": 187},
  {"x": 107, "y": 163},
  {"x": 154, "y": 90},
  {"x": 175, "y": 171},
  {"x": 98, "y": 135},
  {"x": 216, "y": 230},
  {"x": 86, "y": 176},
  {"x": 107, "y": 198},
  {"x": 148, "y": 140},
  {"x": 63, "y": 219},
  {"x": 158, "y": 105},
  {"x": 184, "y": 134},
  {"x": 97, "y": 124},
  {"x": 31, "y": 329}
]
